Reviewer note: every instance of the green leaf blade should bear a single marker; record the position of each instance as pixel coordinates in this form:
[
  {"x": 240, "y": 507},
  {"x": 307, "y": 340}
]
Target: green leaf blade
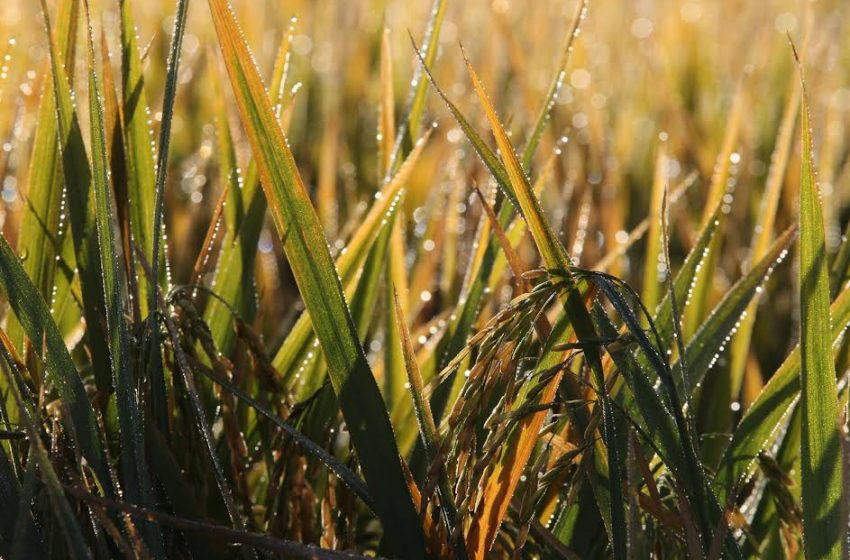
[
  {"x": 41, "y": 232},
  {"x": 141, "y": 178},
  {"x": 824, "y": 525},
  {"x": 321, "y": 290},
  {"x": 34, "y": 315},
  {"x": 136, "y": 481}
]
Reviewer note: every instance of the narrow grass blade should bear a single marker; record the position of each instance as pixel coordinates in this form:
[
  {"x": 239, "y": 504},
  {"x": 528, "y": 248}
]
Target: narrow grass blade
[
  {"x": 362, "y": 301},
  {"x": 674, "y": 310},
  {"x": 396, "y": 280},
  {"x": 154, "y": 364},
  {"x": 701, "y": 353},
  {"x": 300, "y": 338},
  {"x": 203, "y": 259},
  {"x": 652, "y": 259},
  {"x": 321, "y": 290},
  {"x": 34, "y": 316},
  {"x": 68, "y": 526},
  {"x": 118, "y": 170},
  {"x": 766, "y": 415},
  {"x": 551, "y": 250},
  {"x": 764, "y": 232},
  {"x": 233, "y": 211},
  {"x": 665, "y": 429},
  {"x": 714, "y": 334},
  {"x": 42, "y": 230},
  {"x": 686, "y": 277},
  {"x": 78, "y": 176},
  {"x": 136, "y": 481},
  {"x": 517, "y": 228},
  {"x": 233, "y": 282},
  {"x": 428, "y": 432},
  {"x": 138, "y": 139},
  {"x": 10, "y": 490},
  {"x": 177, "y": 489},
  {"x": 170, "y": 95},
  {"x": 511, "y": 258},
  {"x": 418, "y": 86},
  {"x": 695, "y": 312},
  {"x": 824, "y": 522},
  {"x": 408, "y": 130},
  {"x": 726, "y": 389},
  {"x": 653, "y": 413},
  {"x": 362, "y": 296},
  {"x": 487, "y": 155}
]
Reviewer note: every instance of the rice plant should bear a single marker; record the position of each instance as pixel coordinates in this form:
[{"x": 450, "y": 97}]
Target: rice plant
[{"x": 485, "y": 279}]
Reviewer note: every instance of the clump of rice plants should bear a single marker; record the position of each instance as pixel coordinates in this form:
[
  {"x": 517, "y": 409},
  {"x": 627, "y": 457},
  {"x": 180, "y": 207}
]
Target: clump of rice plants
[{"x": 563, "y": 279}]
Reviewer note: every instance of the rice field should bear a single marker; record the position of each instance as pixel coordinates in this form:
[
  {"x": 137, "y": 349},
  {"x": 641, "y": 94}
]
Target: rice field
[{"x": 426, "y": 279}]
